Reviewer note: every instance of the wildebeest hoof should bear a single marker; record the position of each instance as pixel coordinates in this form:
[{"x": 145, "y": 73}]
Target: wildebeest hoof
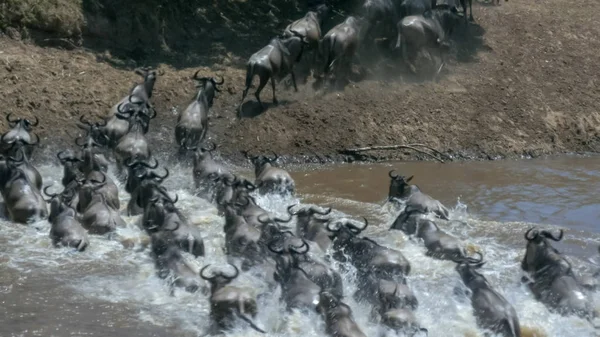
[{"x": 275, "y": 102}]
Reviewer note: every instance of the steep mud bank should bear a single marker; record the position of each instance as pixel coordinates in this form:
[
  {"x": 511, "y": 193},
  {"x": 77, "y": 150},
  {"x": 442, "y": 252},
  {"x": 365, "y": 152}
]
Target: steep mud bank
[{"x": 522, "y": 82}]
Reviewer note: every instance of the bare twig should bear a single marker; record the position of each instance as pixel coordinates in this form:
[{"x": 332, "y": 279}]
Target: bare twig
[{"x": 394, "y": 147}]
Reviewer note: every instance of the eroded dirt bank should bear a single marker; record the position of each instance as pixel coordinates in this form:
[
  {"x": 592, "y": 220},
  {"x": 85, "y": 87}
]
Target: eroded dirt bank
[{"x": 524, "y": 83}]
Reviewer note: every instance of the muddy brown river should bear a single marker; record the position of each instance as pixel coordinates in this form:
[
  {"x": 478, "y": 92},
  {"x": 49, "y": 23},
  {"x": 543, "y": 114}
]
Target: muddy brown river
[{"x": 111, "y": 289}]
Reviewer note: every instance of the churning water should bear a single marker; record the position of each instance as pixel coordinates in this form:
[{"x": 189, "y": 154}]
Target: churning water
[{"x": 112, "y": 289}]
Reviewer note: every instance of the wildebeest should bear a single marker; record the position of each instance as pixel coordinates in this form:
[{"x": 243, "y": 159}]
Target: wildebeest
[
  {"x": 551, "y": 278},
  {"x": 25, "y": 165},
  {"x": 208, "y": 174},
  {"x": 192, "y": 123},
  {"x": 311, "y": 228},
  {"x": 162, "y": 213},
  {"x": 338, "y": 48},
  {"x": 20, "y": 135},
  {"x": 88, "y": 188},
  {"x": 65, "y": 230},
  {"x": 309, "y": 27},
  {"x": 133, "y": 145},
  {"x": 439, "y": 244},
  {"x": 274, "y": 61},
  {"x": 415, "y": 199},
  {"x": 229, "y": 302},
  {"x": 117, "y": 126},
  {"x": 380, "y": 15},
  {"x": 492, "y": 311},
  {"x": 365, "y": 254},
  {"x": 145, "y": 186},
  {"x": 270, "y": 178},
  {"x": 297, "y": 289},
  {"x": 380, "y": 292},
  {"x": 321, "y": 274},
  {"x": 170, "y": 262},
  {"x": 339, "y": 321},
  {"x": 430, "y": 30},
  {"x": 70, "y": 162},
  {"x": 91, "y": 158},
  {"x": 23, "y": 200},
  {"x": 99, "y": 217},
  {"x": 232, "y": 190},
  {"x": 415, "y": 7}
]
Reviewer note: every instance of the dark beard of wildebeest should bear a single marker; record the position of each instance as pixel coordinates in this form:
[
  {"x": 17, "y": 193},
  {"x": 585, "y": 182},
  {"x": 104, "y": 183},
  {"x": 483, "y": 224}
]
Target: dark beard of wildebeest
[
  {"x": 134, "y": 144},
  {"x": 229, "y": 302},
  {"x": 319, "y": 273},
  {"x": 365, "y": 254},
  {"x": 309, "y": 27},
  {"x": 148, "y": 185},
  {"x": 117, "y": 128},
  {"x": 22, "y": 199},
  {"x": 65, "y": 230},
  {"x": 338, "y": 317},
  {"x": 231, "y": 190},
  {"x": 269, "y": 178},
  {"x": 551, "y": 278},
  {"x": 207, "y": 172},
  {"x": 413, "y": 197},
  {"x": 311, "y": 228},
  {"x": 99, "y": 217},
  {"x": 192, "y": 123},
  {"x": 431, "y": 30},
  {"x": 274, "y": 62},
  {"x": 161, "y": 213},
  {"x": 338, "y": 48},
  {"x": 20, "y": 133},
  {"x": 492, "y": 311}
]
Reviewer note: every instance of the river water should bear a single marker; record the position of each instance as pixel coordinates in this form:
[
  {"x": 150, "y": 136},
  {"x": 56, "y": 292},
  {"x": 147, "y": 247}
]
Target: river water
[{"x": 111, "y": 289}]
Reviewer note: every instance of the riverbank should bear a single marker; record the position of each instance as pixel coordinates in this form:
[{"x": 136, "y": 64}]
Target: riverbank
[{"x": 522, "y": 84}]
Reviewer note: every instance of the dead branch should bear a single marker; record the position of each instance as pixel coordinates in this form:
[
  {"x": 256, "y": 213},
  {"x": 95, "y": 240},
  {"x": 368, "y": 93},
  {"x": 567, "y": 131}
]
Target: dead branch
[{"x": 395, "y": 147}]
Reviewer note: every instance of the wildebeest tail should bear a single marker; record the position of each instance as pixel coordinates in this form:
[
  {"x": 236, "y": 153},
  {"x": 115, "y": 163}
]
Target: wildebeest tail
[
  {"x": 329, "y": 56},
  {"x": 249, "y": 74}
]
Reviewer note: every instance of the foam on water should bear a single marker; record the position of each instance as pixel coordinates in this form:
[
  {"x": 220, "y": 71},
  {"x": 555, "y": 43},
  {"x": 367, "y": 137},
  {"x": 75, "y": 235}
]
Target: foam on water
[{"x": 120, "y": 270}]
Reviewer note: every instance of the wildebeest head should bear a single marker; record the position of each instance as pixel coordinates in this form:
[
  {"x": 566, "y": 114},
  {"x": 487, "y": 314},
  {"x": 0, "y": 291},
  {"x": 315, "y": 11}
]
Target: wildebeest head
[
  {"x": 202, "y": 153},
  {"x": 157, "y": 209},
  {"x": 59, "y": 202},
  {"x": 261, "y": 162},
  {"x": 70, "y": 162},
  {"x": 287, "y": 248},
  {"x": 467, "y": 269},
  {"x": 399, "y": 186},
  {"x": 541, "y": 256},
  {"x": 137, "y": 170},
  {"x": 149, "y": 184},
  {"x": 342, "y": 232},
  {"x": 218, "y": 279},
  {"x": 233, "y": 189},
  {"x": 94, "y": 130},
  {"x": 291, "y": 46},
  {"x": 149, "y": 76},
  {"x": 207, "y": 86},
  {"x": 136, "y": 111},
  {"x": 446, "y": 15}
]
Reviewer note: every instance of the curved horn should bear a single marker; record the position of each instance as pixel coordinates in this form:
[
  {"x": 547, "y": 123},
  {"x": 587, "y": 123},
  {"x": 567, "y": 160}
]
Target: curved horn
[
  {"x": 290, "y": 212},
  {"x": 82, "y": 120},
  {"x": 535, "y": 234},
  {"x": 551, "y": 236},
  {"x": 328, "y": 210},
  {"x": 289, "y": 219},
  {"x": 61, "y": 159},
  {"x": 356, "y": 230},
  {"x": 393, "y": 176},
  {"x": 472, "y": 260},
  {"x": 195, "y": 77},
  {"x": 51, "y": 195},
  {"x": 231, "y": 277},
  {"x": 77, "y": 141},
  {"x": 207, "y": 278},
  {"x": 103, "y": 182},
  {"x": 222, "y": 81},
  {"x": 297, "y": 249},
  {"x": 146, "y": 165},
  {"x": 332, "y": 229},
  {"x": 249, "y": 186},
  {"x": 274, "y": 158},
  {"x": 214, "y": 147},
  {"x": 165, "y": 176},
  {"x": 37, "y": 121},
  {"x": 261, "y": 218},
  {"x": 14, "y": 120}
]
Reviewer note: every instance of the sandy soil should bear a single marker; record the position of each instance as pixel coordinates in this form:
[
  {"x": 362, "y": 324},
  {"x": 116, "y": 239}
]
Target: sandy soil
[{"x": 522, "y": 82}]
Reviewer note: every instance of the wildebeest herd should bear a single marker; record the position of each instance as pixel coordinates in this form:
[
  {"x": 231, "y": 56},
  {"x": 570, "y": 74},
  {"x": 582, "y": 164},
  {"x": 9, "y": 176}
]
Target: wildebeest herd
[
  {"x": 257, "y": 241},
  {"x": 406, "y": 27}
]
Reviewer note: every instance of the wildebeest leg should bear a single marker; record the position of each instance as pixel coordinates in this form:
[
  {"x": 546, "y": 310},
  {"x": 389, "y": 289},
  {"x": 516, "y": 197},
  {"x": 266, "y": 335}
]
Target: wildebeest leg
[
  {"x": 273, "y": 86},
  {"x": 263, "y": 82},
  {"x": 470, "y": 10},
  {"x": 293, "y": 82}
]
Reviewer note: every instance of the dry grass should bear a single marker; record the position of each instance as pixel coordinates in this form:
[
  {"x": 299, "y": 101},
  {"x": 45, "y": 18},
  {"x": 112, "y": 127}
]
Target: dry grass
[{"x": 62, "y": 17}]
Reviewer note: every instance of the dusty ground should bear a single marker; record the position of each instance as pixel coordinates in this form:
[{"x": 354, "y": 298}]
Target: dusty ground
[{"x": 523, "y": 83}]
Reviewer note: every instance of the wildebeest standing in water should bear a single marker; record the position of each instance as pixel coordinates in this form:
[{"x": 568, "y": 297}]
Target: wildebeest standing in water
[
  {"x": 274, "y": 61},
  {"x": 192, "y": 123},
  {"x": 428, "y": 31}
]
